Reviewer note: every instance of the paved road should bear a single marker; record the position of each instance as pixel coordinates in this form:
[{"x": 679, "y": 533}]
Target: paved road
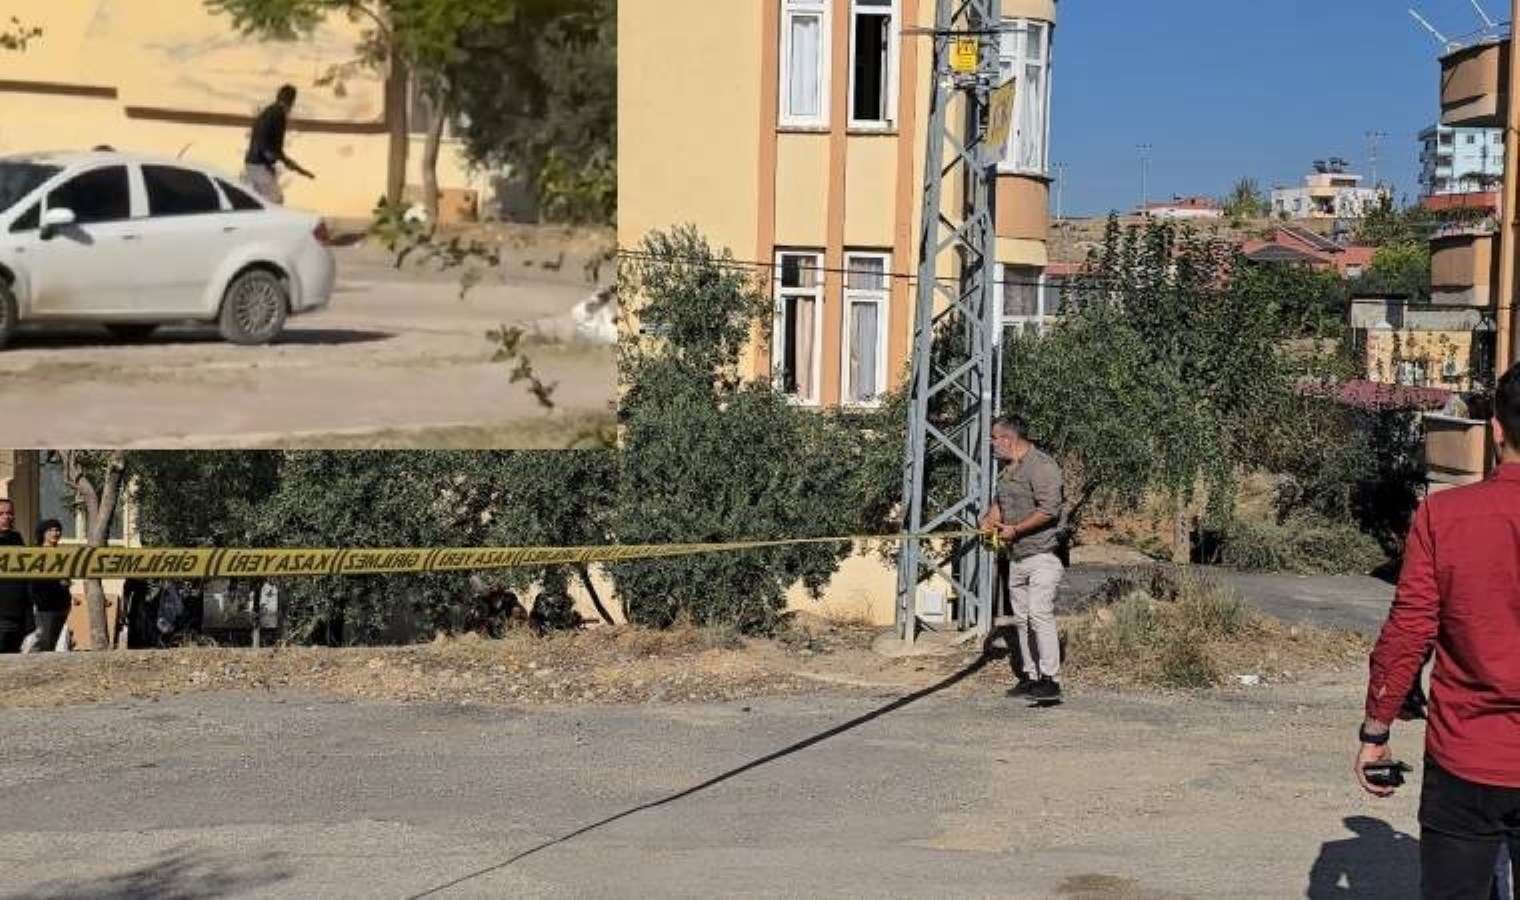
[
  {"x": 397, "y": 352},
  {"x": 1353, "y": 602},
  {"x": 1242, "y": 794}
]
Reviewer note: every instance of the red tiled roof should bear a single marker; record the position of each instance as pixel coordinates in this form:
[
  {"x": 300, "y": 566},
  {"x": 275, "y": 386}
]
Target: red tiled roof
[{"x": 1355, "y": 255}]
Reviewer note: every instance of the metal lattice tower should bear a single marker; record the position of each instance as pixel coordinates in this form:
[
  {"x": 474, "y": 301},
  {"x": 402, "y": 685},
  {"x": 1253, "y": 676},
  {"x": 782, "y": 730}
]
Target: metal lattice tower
[{"x": 949, "y": 467}]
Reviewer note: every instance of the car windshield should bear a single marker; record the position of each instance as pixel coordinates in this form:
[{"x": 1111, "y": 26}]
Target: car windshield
[{"x": 18, "y": 179}]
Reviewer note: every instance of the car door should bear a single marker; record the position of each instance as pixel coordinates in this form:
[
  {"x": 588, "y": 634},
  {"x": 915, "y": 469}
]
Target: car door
[
  {"x": 187, "y": 234},
  {"x": 88, "y": 268}
]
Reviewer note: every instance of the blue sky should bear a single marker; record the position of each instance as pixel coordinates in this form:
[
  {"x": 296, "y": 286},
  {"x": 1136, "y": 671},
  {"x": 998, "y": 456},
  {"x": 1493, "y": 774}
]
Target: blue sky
[{"x": 1225, "y": 88}]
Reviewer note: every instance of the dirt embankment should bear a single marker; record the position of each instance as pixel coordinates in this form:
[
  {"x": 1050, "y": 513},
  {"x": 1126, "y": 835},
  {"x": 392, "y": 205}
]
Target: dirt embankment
[{"x": 625, "y": 665}]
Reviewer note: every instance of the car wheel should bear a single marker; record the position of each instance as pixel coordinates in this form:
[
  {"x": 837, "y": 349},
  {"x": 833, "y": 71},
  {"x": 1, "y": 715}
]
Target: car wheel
[
  {"x": 254, "y": 308},
  {"x": 9, "y": 318},
  {"x": 131, "y": 331}
]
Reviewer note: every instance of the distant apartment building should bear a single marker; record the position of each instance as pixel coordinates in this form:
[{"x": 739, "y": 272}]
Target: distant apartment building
[
  {"x": 1329, "y": 192},
  {"x": 793, "y": 132},
  {"x": 1459, "y": 160},
  {"x": 1183, "y": 208}
]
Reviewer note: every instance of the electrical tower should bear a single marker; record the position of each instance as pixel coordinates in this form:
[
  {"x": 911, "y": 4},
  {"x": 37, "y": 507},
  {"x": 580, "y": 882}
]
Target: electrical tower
[{"x": 949, "y": 468}]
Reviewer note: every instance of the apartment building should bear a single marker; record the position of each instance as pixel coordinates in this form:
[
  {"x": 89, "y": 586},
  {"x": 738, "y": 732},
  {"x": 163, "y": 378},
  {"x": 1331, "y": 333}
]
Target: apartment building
[
  {"x": 793, "y": 133},
  {"x": 1459, "y": 160},
  {"x": 1328, "y": 192},
  {"x": 171, "y": 78}
]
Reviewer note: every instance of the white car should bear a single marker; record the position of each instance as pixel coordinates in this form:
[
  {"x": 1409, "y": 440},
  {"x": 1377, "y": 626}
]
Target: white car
[{"x": 131, "y": 243}]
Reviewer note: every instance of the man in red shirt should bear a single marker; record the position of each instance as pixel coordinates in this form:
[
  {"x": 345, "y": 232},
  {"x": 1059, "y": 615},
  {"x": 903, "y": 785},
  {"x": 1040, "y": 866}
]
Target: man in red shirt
[{"x": 1460, "y": 589}]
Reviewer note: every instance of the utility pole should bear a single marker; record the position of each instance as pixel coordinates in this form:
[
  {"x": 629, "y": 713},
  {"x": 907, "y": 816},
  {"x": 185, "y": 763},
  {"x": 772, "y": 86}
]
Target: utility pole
[
  {"x": 1145, "y": 160},
  {"x": 947, "y": 479},
  {"x": 1374, "y": 139},
  {"x": 1060, "y": 184}
]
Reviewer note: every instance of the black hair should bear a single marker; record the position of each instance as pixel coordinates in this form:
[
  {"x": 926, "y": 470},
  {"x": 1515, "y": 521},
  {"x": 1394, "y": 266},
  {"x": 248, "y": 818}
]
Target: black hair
[
  {"x": 1507, "y": 405},
  {"x": 1015, "y": 423},
  {"x": 44, "y": 526},
  {"x": 286, "y": 94}
]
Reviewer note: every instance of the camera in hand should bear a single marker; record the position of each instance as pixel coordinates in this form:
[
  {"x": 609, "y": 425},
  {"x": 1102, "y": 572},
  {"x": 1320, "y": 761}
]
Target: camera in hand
[{"x": 1386, "y": 773}]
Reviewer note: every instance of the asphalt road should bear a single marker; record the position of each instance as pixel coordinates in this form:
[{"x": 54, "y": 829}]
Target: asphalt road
[
  {"x": 1352, "y": 602},
  {"x": 956, "y": 793}
]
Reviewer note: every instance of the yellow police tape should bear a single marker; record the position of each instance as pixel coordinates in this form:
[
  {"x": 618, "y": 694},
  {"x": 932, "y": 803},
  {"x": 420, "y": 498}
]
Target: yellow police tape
[{"x": 27, "y": 563}]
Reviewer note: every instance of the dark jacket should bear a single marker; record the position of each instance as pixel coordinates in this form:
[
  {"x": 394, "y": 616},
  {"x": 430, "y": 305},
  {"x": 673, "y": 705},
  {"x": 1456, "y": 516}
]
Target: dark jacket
[
  {"x": 52, "y": 596},
  {"x": 266, "y": 142},
  {"x": 15, "y": 596}
]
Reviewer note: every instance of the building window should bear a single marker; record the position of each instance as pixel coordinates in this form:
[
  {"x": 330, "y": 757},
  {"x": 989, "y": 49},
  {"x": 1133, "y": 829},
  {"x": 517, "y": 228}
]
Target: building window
[
  {"x": 421, "y": 115},
  {"x": 1022, "y": 302},
  {"x": 804, "y": 63},
  {"x": 1025, "y": 56},
  {"x": 798, "y": 327},
  {"x": 57, "y": 501},
  {"x": 873, "y": 48},
  {"x": 865, "y": 333},
  {"x": 1061, "y": 297},
  {"x": 1471, "y": 138}
]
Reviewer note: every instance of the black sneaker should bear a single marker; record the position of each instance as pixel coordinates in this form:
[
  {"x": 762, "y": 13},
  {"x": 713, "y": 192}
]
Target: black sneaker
[
  {"x": 1046, "y": 691},
  {"x": 1024, "y": 687}
]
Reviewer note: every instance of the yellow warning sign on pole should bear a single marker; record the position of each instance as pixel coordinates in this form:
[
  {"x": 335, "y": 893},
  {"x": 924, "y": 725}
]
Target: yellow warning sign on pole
[
  {"x": 965, "y": 55},
  {"x": 1000, "y": 114}
]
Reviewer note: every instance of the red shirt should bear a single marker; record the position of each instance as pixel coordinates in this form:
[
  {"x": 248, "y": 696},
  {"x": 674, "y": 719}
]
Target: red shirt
[{"x": 1460, "y": 587}]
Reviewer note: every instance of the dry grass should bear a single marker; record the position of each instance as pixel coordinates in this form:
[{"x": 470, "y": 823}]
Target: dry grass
[
  {"x": 1194, "y": 632},
  {"x": 1193, "y": 636},
  {"x": 619, "y": 664}
]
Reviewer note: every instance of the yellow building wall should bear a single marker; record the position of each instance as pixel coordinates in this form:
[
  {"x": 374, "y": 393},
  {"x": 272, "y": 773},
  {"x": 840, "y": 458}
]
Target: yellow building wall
[
  {"x": 802, "y": 190},
  {"x": 863, "y": 590},
  {"x": 688, "y": 101},
  {"x": 174, "y": 59},
  {"x": 871, "y": 194},
  {"x": 694, "y": 124}
]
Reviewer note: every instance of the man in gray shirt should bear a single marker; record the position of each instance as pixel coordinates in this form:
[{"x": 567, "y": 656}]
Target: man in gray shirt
[{"x": 1028, "y": 515}]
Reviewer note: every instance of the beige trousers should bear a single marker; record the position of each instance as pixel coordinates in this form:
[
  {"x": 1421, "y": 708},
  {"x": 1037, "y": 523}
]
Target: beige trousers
[
  {"x": 265, "y": 182},
  {"x": 1032, "y": 586}
]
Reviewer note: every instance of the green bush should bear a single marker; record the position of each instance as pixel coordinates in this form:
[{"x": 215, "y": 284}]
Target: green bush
[
  {"x": 1304, "y": 545},
  {"x": 709, "y": 457}
]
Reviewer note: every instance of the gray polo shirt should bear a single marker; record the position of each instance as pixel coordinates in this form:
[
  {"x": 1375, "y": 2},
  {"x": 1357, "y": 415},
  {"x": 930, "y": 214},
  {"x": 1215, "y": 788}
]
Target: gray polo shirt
[{"x": 1033, "y": 483}]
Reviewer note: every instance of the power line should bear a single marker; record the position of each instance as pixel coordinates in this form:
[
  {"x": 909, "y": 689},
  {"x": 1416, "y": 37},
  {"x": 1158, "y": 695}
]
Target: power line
[{"x": 771, "y": 267}]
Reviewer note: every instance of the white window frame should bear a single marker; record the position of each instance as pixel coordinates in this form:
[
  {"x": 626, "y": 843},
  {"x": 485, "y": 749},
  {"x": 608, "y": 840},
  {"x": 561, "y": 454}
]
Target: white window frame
[
  {"x": 789, "y": 10},
  {"x": 1012, "y": 62},
  {"x": 889, "y": 74},
  {"x": 1006, "y": 274},
  {"x": 882, "y": 299},
  {"x": 778, "y": 324}
]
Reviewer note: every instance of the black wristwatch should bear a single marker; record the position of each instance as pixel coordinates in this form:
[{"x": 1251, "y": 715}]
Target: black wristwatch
[{"x": 1376, "y": 740}]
